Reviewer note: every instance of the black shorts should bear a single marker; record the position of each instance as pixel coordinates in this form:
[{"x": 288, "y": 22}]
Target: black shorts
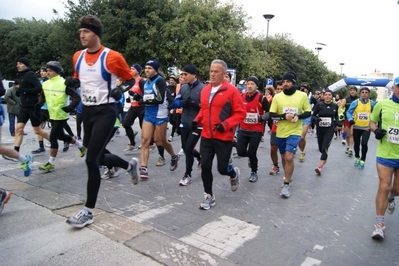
[
  {"x": 44, "y": 116},
  {"x": 26, "y": 113}
]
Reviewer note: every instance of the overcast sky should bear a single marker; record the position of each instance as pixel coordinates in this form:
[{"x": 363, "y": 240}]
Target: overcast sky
[{"x": 360, "y": 33}]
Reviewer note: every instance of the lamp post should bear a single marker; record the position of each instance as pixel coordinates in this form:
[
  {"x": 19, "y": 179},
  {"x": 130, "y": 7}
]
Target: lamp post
[
  {"x": 268, "y": 17},
  {"x": 318, "y": 50},
  {"x": 342, "y": 65},
  {"x": 319, "y": 47}
]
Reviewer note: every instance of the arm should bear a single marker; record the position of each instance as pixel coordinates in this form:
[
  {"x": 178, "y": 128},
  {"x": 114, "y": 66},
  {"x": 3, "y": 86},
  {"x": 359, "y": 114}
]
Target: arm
[
  {"x": 238, "y": 111},
  {"x": 177, "y": 103},
  {"x": 75, "y": 97},
  {"x": 351, "y": 109}
]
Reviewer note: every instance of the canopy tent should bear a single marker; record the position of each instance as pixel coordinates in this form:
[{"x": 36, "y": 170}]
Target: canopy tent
[{"x": 370, "y": 82}]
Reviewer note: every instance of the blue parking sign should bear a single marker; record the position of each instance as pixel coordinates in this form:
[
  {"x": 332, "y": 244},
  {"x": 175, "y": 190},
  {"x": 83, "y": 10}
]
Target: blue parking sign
[{"x": 269, "y": 82}]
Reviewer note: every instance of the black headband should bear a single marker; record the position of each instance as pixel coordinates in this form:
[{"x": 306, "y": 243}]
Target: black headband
[{"x": 97, "y": 30}]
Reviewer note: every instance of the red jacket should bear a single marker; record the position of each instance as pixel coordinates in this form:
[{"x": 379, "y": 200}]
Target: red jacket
[{"x": 226, "y": 107}]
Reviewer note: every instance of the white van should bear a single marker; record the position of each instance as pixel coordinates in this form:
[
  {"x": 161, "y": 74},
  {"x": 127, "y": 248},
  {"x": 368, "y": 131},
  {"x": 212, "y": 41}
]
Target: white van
[{"x": 7, "y": 84}]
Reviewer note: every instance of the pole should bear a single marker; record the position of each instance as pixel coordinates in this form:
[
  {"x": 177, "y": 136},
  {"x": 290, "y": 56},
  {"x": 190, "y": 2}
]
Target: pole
[{"x": 267, "y": 37}]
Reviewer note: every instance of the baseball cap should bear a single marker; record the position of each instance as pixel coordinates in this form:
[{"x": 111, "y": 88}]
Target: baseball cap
[{"x": 396, "y": 81}]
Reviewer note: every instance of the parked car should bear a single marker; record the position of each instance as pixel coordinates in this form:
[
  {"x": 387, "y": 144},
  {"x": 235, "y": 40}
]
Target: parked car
[{"x": 7, "y": 84}]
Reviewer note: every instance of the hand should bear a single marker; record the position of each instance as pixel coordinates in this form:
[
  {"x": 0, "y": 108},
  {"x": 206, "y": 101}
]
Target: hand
[
  {"x": 380, "y": 133},
  {"x": 71, "y": 82},
  {"x": 67, "y": 109},
  {"x": 351, "y": 122},
  {"x": 264, "y": 117},
  {"x": 219, "y": 127},
  {"x": 137, "y": 97},
  {"x": 294, "y": 119},
  {"x": 116, "y": 93},
  {"x": 341, "y": 117},
  {"x": 131, "y": 93},
  {"x": 128, "y": 99}
]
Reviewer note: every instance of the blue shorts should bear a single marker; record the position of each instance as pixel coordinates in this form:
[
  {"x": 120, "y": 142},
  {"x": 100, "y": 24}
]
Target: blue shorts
[
  {"x": 288, "y": 144},
  {"x": 391, "y": 163},
  {"x": 155, "y": 121},
  {"x": 306, "y": 121}
]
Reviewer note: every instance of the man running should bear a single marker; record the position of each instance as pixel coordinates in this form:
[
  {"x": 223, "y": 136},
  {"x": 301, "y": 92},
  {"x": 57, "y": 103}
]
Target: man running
[{"x": 347, "y": 126}]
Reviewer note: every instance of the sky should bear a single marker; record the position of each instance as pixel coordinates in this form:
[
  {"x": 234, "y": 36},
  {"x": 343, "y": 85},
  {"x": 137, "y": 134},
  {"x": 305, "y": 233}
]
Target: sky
[{"x": 358, "y": 33}]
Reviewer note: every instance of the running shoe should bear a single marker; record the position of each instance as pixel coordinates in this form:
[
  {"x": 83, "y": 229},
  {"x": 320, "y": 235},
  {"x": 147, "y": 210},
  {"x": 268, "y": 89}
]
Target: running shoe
[
  {"x": 208, "y": 202},
  {"x": 143, "y": 174},
  {"x": 82, "y": 151},
  {"x": 181, "y": 152},
  {"x": 350, "y": 153},
  {"x": 343, "y": 142},
  {"x": 318, "y": 169},
  {"x": 285, "y": 192},
  {"x": 275, "y": 170},
  {"x": 186, "y": 180},
  {"x": 357, "y": 161},
  {"x": 391, "y": 206},
  {"x": 130, "y": 148},
  {"x": 47, "y": 167},
  {"x": 235, "y": 182},
  {"x": 27, "y": 165},
  {"x": 111, "y": 173},
  {"x": 66, "y": 147},
  {"x": 302, "y": 156},
  {"x": 170, "y": 139},
  {"x": 379, "y": 231},
  {"x": 39, "y": 151},
  {"x": 80, "y": 220},
  {"x": 133, "y": 172},
  {"x": 361, "y": 164},
  {"x": 153, "y": 148},
  {"x": 198, "y": 163},
  {"x": 174, "y": 162},
  {"x": 254, "y": 177},
  {"x": 347, "y": 151},
  {"x": 161, "y": 161},
  {"x": 4, "y": 198}
]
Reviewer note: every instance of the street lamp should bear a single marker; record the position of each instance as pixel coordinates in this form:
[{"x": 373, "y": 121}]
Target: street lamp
[
  {"x": 318, "y": 50},
  {"x": 268, "y": 17},
  {"x": 342, "y": 65},
  {"x": 319, "y": 47}
]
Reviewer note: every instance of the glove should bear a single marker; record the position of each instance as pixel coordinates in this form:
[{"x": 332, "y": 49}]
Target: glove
[
  {"x": 116, "y": 93},
  {"x": 67, "y": 109},
  {"x": 194, "y": 125},
  {"x": 137, "y": 97},
  {"x": 37, "y": 106},
  {"x": 131, "y": 93},
  {"x": 71, "y": 82},
  {"x": 341, "y": 117},
  {"x": 316, "y": 120},
  {"x": 264, "y": 117},
  {"x": 219, "y": 127},
  {"x": 128, "y": 99},
  {"x": 351, "y": 122},
  {"x": 380, "y": 133}
]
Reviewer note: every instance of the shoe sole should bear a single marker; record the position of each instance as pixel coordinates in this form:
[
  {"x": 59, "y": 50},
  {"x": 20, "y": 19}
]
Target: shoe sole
[
  {"x": 238, "y": 179},
  {"x": 134, "y": 172},
  {"x": 46, "y": 171},
  {"x": 377, "y": 237},
  {"x": 80, "y": 225},
  {"x": 317, "y": 170},
  {"x": 182, "y": 184}
]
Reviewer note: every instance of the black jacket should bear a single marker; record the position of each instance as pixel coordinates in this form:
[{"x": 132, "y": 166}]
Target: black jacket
[{"x": 29, "y": 88}]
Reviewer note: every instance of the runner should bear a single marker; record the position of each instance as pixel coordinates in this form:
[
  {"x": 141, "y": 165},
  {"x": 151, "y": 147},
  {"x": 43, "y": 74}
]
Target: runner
[
  {"x": 273, "y": 139},
  {"x": 347, "y": 126}
]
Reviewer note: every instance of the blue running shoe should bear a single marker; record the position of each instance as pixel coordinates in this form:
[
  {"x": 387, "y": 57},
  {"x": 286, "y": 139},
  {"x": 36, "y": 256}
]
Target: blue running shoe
[{"x": 27, "y": 165}]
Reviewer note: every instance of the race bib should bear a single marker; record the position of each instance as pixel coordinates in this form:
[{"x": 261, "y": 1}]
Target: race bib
[
  {"x": 148, "y": 97},
  {"x": 325, "y": 122},
  {"x": 90, "y": 96},
  {"x": 251, "y": 118},
  {"x": 363, "y": 116},
  {"x": 393, "y": 135},
  {"x": 290, "y": 110}
]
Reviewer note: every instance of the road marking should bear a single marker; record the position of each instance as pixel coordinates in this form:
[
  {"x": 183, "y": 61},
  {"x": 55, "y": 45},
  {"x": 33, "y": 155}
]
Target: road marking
[
  {"x": 222, "y": 237},
  {"x": 151, "y": 213},
  {"x": 318, "y": 247},
  {"x": 311, "y": 262}
]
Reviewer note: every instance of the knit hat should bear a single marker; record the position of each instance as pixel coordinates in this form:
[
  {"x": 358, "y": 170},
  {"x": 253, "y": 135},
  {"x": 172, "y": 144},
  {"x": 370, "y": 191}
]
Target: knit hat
[
  {"x": 153, "y": 63},
  {"x": 365, "y": 89},
  {"x": 328, "y": 90},
  {"x": 55, "y": 66},
  {"x": 290, "y": 76},
  {"x": 353, "y": 88},
  {"x": 190, "y": 68},
  {"x": 173, "y": 77},
  {"x": 137, "y": 67},
  {"x": 254, "y": 80},
  {"x": 24, "y": 61}
]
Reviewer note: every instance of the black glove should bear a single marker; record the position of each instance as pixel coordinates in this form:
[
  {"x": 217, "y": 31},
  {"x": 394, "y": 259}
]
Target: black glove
[
  {"x": 317, "y": 120},
  {"x": 194, "y": 125},
  {"x": 67, "y": 109},
  {"x": 131, "y": 93},
  {"x": 37, "y": 106},
  {"x": 116, "y": 93},
  {"x": 137, "y": 97},
  {"x": 219, "y": 127},
  {"x": 351, "y": 122},
  {"x": 380, "y": 133},
  {"x": 128, "y": 99},
  {"x": 341, "y": 117},
  {"x": 71, "y": 82},
  {"x": 190, "y": 103},
  {"x": 264, "y": 117}
]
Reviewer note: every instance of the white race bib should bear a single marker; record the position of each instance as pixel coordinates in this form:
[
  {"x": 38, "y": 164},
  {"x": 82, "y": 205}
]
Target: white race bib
[
  {"x": 90, "y": 96},
  {"x": 325, "y": 122},
  {"x": 290, "y": 110},
  {"x": 251, "y": 118},
  {"x": 363, "y": 116},
  {"x": 393, "y": 135},
  {"x": 148, "y": 97}
]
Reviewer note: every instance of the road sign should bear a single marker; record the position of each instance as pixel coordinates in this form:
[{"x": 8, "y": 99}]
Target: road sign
[{"x": 269, "y": 82}]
